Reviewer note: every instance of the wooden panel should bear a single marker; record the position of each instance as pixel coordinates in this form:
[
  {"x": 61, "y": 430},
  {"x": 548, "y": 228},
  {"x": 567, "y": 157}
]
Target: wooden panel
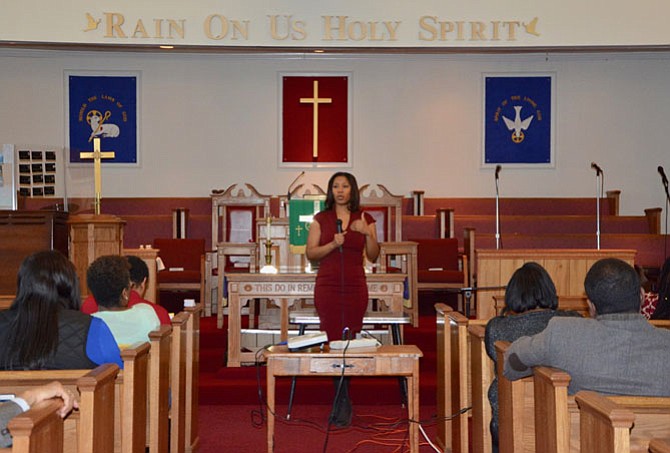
[
  {"x": 23, "y": 233},
  {"x": 91, "y": 236},
  {"x": 567, "y": 267}
]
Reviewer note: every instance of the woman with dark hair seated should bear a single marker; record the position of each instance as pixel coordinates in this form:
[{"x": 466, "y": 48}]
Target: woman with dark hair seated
[
  {"x": 44, "y": 329},
  {"x": 530, "y": 302}
]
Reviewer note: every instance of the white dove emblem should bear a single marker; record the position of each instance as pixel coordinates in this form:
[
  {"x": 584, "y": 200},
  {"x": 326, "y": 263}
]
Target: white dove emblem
[{"x": 518, "y": 126}]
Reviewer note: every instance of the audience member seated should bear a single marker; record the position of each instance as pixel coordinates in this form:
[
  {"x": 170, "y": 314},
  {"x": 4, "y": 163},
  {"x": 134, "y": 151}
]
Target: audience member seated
[
  {"x": 108, "y": 278},
  {"x": 615, "y": 352},
  {"x": 44, "y": 329},
  {"x": 139, "y": 275},
  {"x": 25, "y": 400},
  {"x": 662, "y": 306},
  {"x": 530, "y": 302}
]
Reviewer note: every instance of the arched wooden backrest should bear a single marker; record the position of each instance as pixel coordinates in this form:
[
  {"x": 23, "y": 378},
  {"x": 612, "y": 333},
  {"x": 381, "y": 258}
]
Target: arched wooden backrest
[
  {"x": 386, "y": 208},
  {"x": 234, "y": 213}
]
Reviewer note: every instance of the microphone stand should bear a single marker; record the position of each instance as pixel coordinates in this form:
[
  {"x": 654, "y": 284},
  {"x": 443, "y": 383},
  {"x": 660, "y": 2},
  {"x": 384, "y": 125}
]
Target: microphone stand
[
  {"x": 598, "y": 195},
  {"x": 497, "y": 214}
]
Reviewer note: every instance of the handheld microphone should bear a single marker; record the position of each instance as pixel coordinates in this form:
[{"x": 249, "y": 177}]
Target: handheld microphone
[
  {"x": 498, "y": 168},
  {"x": 339, "y": 231},
  {"x": 663, "y": 177},
  {"x": 598, "y": 170}
]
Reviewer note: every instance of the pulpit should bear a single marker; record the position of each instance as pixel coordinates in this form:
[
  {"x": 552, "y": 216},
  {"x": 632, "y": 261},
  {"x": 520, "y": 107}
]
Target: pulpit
[{"x": 91, "y": 236}]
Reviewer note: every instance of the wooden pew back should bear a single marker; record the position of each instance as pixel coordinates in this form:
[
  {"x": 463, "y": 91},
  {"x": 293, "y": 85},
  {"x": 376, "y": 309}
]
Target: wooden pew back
[
  {"x": 178, "y": 383},
  {"x": 93, "y": 424},
  {"x": 542, "y": 401},
  {"x": 192, "y": 380},
  {"x": 38, "y": 430},
  {"x": 481, "y": 377},
  {"x": 159, "y": 389}
]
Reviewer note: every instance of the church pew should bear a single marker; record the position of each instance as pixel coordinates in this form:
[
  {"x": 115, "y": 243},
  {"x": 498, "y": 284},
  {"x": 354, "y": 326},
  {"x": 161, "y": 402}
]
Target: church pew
[
  {"x": 619, "y": 425},
  {"x": 539, "y": 408},
  {"x": 659, "y": 445},
  {"x": 481, "y": 372},
  {"x": 93, "y": 424},
  {"x": 452, "y": 433},
  {"x": 604, "y": 426},
  {"x": 158, "y": 390},
  {"x": 453, "y": 377},
  {"x": 39, "y": 430},
  {"x": 6, "y": 301},
  {"x": 192, "y": 379},
  {"x": 129, "y": 401},
  {"x": 178, "y": 382}
]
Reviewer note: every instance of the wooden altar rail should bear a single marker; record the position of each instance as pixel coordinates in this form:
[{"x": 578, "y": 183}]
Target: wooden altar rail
[
  {"x": 537, "y": 414},
  {"x": 37, "y": 430}
]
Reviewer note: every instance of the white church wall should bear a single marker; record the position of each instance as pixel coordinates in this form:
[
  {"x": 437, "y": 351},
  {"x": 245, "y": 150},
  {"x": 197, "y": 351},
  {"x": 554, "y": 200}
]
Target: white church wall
[{"x": 209, "y": 120}]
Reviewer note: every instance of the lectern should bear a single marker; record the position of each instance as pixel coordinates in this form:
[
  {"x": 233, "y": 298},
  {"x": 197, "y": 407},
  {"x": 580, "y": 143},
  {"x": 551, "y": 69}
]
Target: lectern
[{"x": 91, "y": 236}]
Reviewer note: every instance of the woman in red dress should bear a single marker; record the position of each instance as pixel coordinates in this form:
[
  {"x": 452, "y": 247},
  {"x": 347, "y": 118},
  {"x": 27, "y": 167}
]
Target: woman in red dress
[{"x": 337, "y": 238}]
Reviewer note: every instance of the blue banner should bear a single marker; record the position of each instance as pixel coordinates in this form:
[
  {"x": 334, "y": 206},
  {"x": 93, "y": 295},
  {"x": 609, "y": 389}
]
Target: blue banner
[
  {"x": 104, "y": 107},
  {"x": 517, "y": 125}
]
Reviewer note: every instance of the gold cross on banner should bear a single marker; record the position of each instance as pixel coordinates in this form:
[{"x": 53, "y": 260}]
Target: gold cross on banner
[
  {"x": 298, "y": 229},
  {"x": 97, "y": 156},
  {"x": 315, "y": 101}
]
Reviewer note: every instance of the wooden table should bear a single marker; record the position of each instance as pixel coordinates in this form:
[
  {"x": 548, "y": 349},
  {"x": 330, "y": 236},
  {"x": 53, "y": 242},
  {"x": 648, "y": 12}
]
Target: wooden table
[
  {"x": 285, "y": 287},
  {"x": 393, "y": 360}
]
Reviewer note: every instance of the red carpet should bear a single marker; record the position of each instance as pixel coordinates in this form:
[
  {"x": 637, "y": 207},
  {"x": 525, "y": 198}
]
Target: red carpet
[
  {"x": 237, "y": 428},
  {"x": 222, "y": 385},
  {"x": 230, "y": 418}
]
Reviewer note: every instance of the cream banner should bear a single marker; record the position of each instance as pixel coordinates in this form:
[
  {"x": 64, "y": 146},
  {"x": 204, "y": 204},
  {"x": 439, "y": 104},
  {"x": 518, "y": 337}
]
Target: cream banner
[{"x": 341, "y": 23}]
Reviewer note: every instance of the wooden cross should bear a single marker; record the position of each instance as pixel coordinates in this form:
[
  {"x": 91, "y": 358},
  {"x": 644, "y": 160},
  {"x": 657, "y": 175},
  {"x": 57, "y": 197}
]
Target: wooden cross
[
  {"x": 97, "y": 156},
  {"x": 315, "y": 101}
]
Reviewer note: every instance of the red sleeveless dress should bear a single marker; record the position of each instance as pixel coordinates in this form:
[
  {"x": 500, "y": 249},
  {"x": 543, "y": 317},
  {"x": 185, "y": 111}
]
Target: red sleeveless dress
[{"x": 341, "y": 291}]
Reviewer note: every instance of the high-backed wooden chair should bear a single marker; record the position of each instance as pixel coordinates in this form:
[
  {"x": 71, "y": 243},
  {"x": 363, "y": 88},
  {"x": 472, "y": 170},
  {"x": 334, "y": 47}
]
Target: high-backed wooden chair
[
  {"x": 441, "y": 266},
  {"x": 184, "y": 261},
  {"x": 234, "y": 214},
  {"x": 386, "y": 208}
]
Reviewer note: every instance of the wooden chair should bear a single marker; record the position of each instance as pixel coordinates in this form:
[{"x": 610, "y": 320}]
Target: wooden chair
[
  {"x": 234, "y": 214},
  {"x": 39, "y": 430},
  {"x": 441, "y": 266},
  {"x": 386, "y": 208},
  {"x": 93, "y": 424},
  {"x": 224, "y": 251},
  {"x": 184, "y": 261}
]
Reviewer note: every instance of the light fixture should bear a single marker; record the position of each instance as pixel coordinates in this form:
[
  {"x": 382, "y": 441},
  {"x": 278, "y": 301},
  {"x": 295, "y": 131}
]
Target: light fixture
[{"x": 166, "y": 47}]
